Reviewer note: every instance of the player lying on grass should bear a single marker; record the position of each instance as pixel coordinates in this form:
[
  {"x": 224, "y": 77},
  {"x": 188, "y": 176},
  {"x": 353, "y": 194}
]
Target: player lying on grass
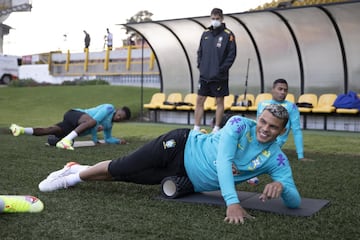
[
  {"x": 242, "y": 149},
  {"x": 80, "y": 122}
]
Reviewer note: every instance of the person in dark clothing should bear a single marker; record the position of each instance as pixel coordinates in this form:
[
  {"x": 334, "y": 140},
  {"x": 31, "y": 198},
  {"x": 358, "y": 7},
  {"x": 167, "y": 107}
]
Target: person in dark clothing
[
  {"x": 87, "y": 40},
  {"x": 215, "y": 56}
]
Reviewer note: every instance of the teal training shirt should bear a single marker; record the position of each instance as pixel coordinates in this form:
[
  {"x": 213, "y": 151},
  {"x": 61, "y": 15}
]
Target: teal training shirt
[
  {"x": 233, "y": 155},
  {"x": 293, "y": 124},
  {"x": 103, "y": 115}
]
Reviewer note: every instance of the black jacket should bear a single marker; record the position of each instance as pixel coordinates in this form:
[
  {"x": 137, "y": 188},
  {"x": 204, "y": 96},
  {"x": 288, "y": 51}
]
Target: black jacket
[{"x": 216, "y": 53}]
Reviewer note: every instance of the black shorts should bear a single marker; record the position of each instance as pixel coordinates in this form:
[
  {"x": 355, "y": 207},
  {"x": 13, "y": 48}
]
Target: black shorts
[
  {"x": 150, "y": 164},
  {"x": 214, "y": 88},
  {"x": 70, "y": 122}
]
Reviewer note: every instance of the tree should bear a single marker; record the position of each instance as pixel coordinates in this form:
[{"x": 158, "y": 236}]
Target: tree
[{"x": 141, "y": 16}]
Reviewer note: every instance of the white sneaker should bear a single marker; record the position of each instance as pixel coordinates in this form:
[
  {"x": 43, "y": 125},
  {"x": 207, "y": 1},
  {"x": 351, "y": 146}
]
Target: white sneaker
[
  {"x": 65, "y": 144},
  {"x": 253, "y": 181},
  {"x": 66, "y": 170},
  {"x": 52, "y": 184}
]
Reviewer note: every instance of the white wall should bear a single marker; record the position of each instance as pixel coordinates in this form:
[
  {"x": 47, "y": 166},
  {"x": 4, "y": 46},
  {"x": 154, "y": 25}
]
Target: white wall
[{"x": 40, "y": 73}]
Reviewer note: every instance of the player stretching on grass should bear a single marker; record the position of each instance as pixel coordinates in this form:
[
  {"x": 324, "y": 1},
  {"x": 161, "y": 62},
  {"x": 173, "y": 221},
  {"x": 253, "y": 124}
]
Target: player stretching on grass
[
  {"x": 241, "y": 150},
  {"x": 80, "y": 122}
]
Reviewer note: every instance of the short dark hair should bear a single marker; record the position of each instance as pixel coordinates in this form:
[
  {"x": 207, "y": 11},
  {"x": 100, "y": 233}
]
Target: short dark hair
[
  {"x": 279, "y": 80},
  {"x": 217, "y": 11},
  {"x": 127, "y": 112}
]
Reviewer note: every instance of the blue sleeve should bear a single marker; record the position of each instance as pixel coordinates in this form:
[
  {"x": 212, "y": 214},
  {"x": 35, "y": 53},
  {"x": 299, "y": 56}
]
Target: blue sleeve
[
  {"x": 281, "y": 172},
  {"x": 93, "y": 132},
  {"x": 108, "y": 138},
  {"x": 296, "y": 131},
  {"x": 231, "y": 132}
]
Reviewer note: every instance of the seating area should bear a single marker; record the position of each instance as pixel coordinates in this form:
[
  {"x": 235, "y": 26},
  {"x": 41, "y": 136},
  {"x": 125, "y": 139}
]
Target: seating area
[{"x": 317, "y": 111}]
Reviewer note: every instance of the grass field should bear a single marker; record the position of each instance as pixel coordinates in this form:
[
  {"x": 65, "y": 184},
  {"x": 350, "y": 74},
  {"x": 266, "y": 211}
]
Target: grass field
[{"x": 114, "y": 210}]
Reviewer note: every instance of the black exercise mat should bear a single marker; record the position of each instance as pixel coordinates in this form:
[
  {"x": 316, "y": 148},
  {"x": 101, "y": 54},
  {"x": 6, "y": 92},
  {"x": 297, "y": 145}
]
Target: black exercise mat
[{"x": 250, "y": 200}]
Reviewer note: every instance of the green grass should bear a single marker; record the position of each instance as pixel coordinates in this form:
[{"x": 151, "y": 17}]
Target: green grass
[{"x": 115, "y": 210}]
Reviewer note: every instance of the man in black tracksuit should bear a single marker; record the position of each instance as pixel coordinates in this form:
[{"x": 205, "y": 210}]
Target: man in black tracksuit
[{"x": 216, "y": 54}]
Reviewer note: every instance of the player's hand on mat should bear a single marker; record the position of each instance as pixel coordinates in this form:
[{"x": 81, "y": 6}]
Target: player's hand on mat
[
  {"x": 236, "y": 214},
  {"x": 271, "y": 190}
]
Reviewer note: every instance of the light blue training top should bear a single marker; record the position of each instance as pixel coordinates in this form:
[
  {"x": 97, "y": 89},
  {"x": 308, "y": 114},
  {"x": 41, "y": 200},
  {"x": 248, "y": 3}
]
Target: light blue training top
[
  {"x": 103, "y": 115},
  {"x": 233, "y": 155},
  {"x": 293, "y": 124}
]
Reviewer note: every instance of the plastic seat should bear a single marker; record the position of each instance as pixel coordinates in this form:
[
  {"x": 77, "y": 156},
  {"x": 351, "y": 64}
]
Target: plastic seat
[
  {"x": 172, "y": 99},
  {"x": 325, "y": 103},
  {"x": 209, "y": 103},
  {"x": 239, "y": 103},
  {"x": 228, "y": 101},
  {"x": 308, "y": 98},
  {"x": 347, "y": 110},
  {"x": 190, "y": 99},
  {"x": 156, "y": 101},
  {"x": 259, "y": 98},
  {"x": 290, "y": 97}
]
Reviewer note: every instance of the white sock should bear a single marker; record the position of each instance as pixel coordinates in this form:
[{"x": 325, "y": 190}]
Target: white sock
[
  {"x": 215, "y": 129},
  {"x": 28, "y": 131},
  {"x": 77, "y": 168},
  {"x": 71, "y": 136},
  {"x": 73, "y": 179},
  {"x": 196, "y": 128}
]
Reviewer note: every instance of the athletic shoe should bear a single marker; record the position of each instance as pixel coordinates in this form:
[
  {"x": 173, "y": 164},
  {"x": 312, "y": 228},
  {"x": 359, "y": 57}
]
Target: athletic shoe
[
  {"x": 20, "y": 204},
  {"x": 66, "y": 170},
  {"x": 65, "y": 144},
  {"x": 16, "y": 130},
  {"x": 203, "y": 131},
  {"x": 253, "y": 181},
  {"x": 52, "y": 184}
]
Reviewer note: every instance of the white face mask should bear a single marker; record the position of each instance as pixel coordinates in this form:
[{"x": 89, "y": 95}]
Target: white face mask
[{"x": 215, "y": 23}]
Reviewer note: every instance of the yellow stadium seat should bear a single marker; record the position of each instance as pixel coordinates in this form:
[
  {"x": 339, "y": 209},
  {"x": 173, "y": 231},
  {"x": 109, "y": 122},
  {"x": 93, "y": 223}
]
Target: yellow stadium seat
[
  {"x": 308, "y": 98},
  {"x": 325, "y": 103},
  {"x": 259, "y": 98},
  {"x": 239, "y": 106},
  {"x": 228, "y": 101},
  {"x": 290, "y": 97},
  {"x": 189, "y": 98},
  {"x": 347, "y": 110},
  {"x": 156, "y": 101},
  {"x": 209, "y": 103},
  {"x": 171, "y": 100}
]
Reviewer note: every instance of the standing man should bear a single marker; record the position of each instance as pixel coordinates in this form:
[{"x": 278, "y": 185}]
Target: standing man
[
  {"x": 109, "y": 39},
  {"x": 80, "y": 122},
  {"x": 216, "y": 54},
  {"x": 87, "y": 40},
  {"x": 279, "y": 92}
]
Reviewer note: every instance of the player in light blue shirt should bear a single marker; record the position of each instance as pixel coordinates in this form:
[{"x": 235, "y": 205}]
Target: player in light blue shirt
[
  {"x": 240, "y": 150},
  {"x": 79, "y": 122},
  {"x": 279, "y": 92}
]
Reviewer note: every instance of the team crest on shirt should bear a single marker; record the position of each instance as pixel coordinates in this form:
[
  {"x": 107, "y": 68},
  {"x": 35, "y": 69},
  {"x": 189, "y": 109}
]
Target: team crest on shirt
[
  {"x": 254, "y": 163},
  {"x": 219, "y": 42},
  {"x": 169, "y": 144}
]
